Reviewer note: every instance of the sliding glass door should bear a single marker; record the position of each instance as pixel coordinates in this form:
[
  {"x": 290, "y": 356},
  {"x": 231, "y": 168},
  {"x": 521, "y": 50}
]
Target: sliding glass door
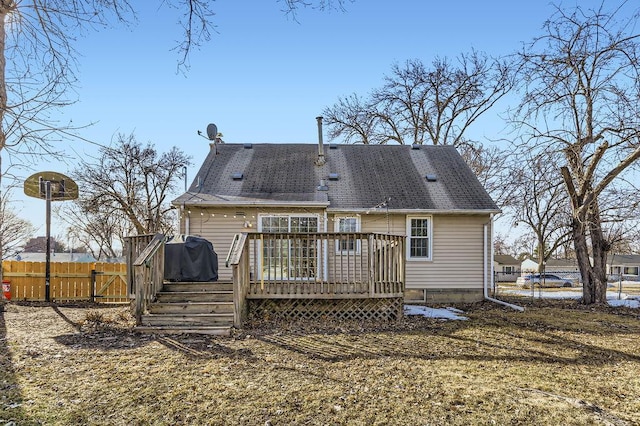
[{"x": 286, "y": 258}]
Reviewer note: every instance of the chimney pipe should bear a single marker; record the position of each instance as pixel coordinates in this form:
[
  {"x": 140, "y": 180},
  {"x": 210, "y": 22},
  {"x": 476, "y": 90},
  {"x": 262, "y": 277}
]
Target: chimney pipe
[{"x": 320, "y": 160}]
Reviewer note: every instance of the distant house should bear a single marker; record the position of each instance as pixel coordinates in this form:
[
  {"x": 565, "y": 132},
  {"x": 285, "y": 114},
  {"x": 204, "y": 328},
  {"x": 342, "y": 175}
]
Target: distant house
[
  {"x": 277, "y": 193},
  {"x": 563, "y": 266},
  {"x": 55, "y": 257},
  {"x": 626, "y": 264},
  {"x": 506, "y": 267}
]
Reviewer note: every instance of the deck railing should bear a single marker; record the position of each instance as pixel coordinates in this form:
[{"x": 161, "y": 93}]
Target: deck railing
[
  {"x": 148, "y": 270},
  {"x": 133, "y": 246},
  {"x": 238, "y": 258},
  {"x": 324, "y": 265}
]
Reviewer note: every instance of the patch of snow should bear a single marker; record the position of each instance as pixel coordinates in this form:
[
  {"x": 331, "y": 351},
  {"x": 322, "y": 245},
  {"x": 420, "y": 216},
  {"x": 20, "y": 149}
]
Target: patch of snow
[
  {"x": 439, "y": 313},
  {"x": 613, "y": 297},
  {"x": 631, "y": 302}
]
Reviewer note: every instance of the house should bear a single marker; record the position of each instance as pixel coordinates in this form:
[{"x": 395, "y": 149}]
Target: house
[
  {"x": 506, "y": 267},
  {"x": 315, "y": 212},
  {"x": 55, "y": 257},
  {"x": 626, "y": 264},
  {"x": 557, "y": 266}
]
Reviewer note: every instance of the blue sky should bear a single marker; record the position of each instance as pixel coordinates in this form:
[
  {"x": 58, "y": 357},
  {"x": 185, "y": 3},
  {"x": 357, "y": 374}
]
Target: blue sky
[{"x": 265, "y": 77}]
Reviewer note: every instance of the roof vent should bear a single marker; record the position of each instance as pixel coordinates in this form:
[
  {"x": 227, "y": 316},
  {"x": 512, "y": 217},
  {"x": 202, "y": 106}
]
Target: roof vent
[
  {"x": 333, "y": 146},
  {"x": 237, "y": 176},
  {"x": 323, "y": 186},
  {"x": 415, "y": 146},
  {"x": 248, "y": 146},
  {"x": 334, "y": 176},
  {"x": 432, "y": 178}
]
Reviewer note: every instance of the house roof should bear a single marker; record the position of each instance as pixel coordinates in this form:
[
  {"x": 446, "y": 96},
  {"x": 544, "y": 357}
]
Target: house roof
[
  {"x": 624, "y": 259},
  {"x": 55, "y": 257},
  {"x": 367, "y": 176},
  {"x": 505, "y": 259},
  {"x": 562, "y": 263}
]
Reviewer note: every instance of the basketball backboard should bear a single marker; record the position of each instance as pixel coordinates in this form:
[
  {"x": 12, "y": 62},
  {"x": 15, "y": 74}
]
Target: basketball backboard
[{"x": 62, "y": 187}]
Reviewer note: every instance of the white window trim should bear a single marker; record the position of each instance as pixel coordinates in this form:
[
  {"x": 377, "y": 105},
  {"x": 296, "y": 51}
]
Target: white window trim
[
  {"x": 337, "y": 229},
  {"x": 430, "y": 238},
  {"x": 288, "y": 215}
]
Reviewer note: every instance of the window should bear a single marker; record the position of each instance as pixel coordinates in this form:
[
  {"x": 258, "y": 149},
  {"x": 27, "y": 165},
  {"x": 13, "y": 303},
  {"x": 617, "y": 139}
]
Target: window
[
  {"x": 347, "y": 243},
  {"x": 419, "y": 236},
  {"x": 286, "y": 258},
  {"x": 630, "y": 270},
  {"x": 508, "y": 270}
]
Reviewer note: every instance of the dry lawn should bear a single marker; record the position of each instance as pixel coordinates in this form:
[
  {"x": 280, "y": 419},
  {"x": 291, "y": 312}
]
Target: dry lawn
[{"x": 555, "y": 364}]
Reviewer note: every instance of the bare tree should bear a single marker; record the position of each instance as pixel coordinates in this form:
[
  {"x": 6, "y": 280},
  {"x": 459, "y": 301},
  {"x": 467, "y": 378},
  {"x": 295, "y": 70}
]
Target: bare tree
[
  {"x": 490, "y": 164},
  {"x": 131, "y": 182},
  {"x": 351, "y": 119},
  {"x": 542, "y": 205},
  {"x": 420, "y": 105},
  {"x": 620, "y": 213},
  {"x": 101, "y": 232},
  {"x": 501, "y": 245},
  {"x": 14, "y": 231},
  {"x": 38, "y": 60},
  {"x": 581, "y": 99}
]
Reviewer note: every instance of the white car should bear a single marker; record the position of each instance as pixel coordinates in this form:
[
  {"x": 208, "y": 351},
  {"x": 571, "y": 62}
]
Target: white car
[{"x": 543, "y": 280}]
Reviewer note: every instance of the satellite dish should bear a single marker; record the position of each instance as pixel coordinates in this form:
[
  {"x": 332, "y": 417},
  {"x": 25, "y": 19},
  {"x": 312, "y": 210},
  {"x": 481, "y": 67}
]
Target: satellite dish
[{"x": 212, "y": 131}]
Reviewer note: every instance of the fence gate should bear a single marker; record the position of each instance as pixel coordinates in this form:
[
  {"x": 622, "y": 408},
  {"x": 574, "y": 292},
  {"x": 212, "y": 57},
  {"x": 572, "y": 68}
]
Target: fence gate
[{"x": 110, "y": 283}]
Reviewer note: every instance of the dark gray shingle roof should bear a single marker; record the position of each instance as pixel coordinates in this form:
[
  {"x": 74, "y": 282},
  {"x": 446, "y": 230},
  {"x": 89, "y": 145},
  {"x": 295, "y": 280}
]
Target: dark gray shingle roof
[
  {"x": 624, "y": 259},
  {"x": 368, "y": 175},
  {"x": 506, "y": 259}
]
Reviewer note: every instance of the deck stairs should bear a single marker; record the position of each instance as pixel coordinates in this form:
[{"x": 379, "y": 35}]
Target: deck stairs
[{"x": 191, "y": 307}]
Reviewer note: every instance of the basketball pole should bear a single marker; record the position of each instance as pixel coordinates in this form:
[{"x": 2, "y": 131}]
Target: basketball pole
[{"x": 47, "y": 268}]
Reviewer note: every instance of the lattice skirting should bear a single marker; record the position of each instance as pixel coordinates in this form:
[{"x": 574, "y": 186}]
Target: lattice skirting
[{"x": 312, "y": 309}]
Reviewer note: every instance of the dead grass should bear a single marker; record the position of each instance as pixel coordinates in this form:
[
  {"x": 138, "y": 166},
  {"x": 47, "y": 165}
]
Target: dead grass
[{"x": 557, "y": 363}]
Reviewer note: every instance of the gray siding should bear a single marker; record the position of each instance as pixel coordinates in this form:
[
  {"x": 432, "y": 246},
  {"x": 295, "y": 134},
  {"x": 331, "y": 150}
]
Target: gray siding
[
  {"x": 457, "y": 250},
  {"x": 457, "y": 247},
  {"x": 215, "y": 227},
  {"x": 457, "y": 257}
]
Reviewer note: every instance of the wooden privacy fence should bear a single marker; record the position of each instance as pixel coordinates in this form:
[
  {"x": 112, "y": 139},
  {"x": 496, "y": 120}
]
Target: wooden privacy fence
[{"x": 99, "y": 281}]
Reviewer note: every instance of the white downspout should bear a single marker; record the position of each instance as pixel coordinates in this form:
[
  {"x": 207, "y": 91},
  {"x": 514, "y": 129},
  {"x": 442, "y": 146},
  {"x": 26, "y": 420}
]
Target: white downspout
[{"x": 485, "y": 270}]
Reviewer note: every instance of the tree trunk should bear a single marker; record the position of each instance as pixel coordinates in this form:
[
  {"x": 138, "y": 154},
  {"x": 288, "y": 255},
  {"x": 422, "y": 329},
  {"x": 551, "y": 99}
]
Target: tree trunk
[
  {"x": 600, "y": 247},
  {"x": 592, "y": 268},
  {"x": 582, "y": 256}
]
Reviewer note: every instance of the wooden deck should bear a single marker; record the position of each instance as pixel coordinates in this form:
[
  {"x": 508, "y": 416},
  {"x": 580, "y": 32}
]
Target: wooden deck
[
  {"x": 362, "y": 273},
  {"x": 327, "y": 267}
]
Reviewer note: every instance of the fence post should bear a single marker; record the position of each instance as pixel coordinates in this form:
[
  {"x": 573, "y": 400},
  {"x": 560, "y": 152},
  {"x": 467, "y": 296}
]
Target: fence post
[{"x": 92, "y": 286}]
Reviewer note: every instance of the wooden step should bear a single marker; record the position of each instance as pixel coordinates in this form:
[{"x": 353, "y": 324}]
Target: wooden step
[
  {"x": 179, "y": 320},
  {"x": 194, "y": 296},
  {"x": 210, "y": 330},
  {"x": 197, "y": 286},
  {"x": 192, "y": 308}
]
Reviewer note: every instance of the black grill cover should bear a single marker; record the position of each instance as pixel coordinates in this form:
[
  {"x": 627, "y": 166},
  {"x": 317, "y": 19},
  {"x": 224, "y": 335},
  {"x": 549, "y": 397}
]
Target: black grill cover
[{"x": 189, "y": 258}]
